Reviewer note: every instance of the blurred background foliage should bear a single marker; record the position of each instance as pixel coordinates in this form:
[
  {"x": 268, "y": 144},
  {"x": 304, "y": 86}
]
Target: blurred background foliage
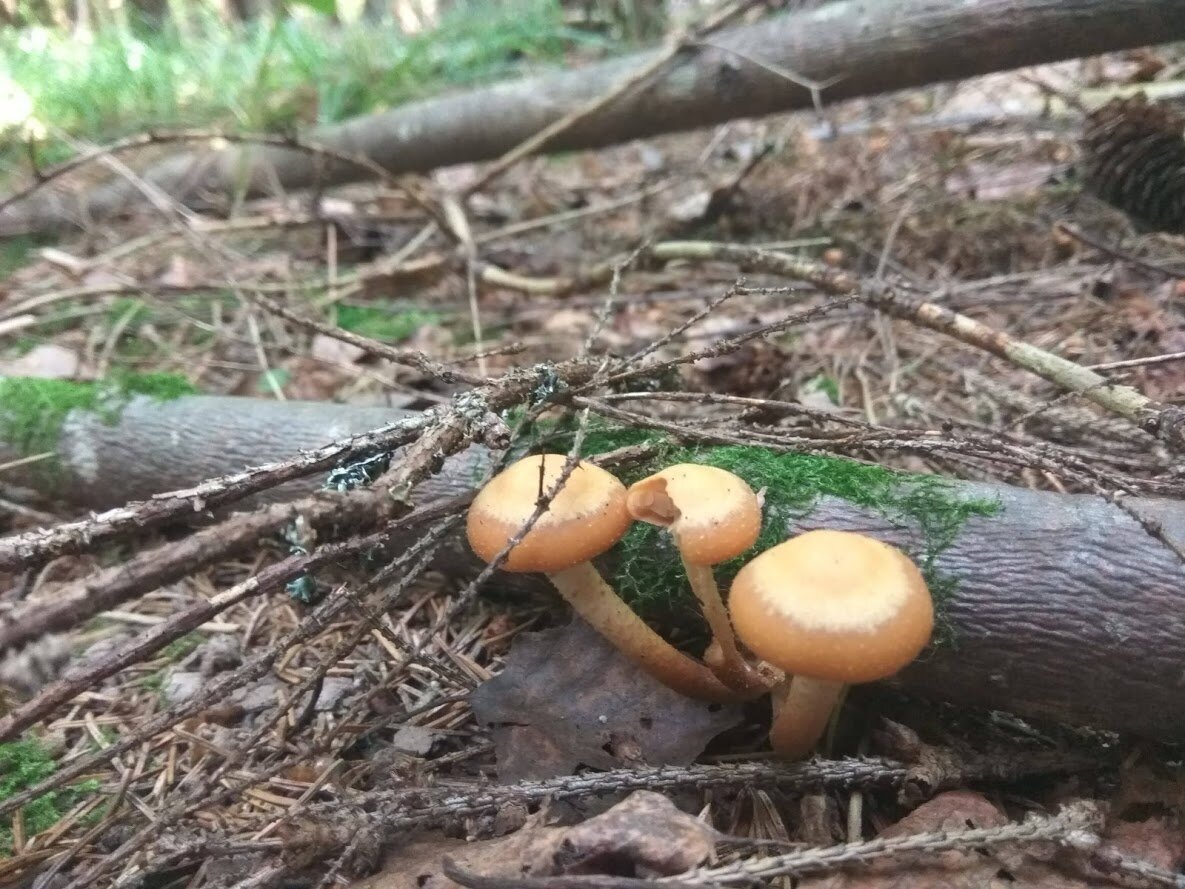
[{"x": 74, "y": 71}]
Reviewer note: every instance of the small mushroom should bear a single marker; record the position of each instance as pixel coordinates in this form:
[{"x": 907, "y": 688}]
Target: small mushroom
[
  {"x": 584, "y": 519},
  {"x": 713, "y": 516},
  {"x": 830, "y": 608}
]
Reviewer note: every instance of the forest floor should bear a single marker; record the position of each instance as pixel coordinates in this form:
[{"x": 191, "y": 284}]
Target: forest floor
[{"x": 383, "y": 767}]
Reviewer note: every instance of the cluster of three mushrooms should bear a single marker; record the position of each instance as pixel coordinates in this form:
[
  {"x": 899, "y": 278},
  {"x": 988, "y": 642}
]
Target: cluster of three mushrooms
[{"x": 827, "y": 608}]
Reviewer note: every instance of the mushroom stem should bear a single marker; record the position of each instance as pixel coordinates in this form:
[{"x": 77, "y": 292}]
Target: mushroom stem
[
  {"x": 801, "y": 714},
  {"x": 730, "y": 666},
  {"x": 599, "y": 605}
]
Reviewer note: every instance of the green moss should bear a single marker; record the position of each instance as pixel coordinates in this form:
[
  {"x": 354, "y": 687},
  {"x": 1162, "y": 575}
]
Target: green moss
[
  {"x": 384, "y": 323},
  {"x": 183, "y": 647},
  {"x": 24, "y": 764},
  {"x": 32, "y": 410},
  {"x": 648, "y": 572}
]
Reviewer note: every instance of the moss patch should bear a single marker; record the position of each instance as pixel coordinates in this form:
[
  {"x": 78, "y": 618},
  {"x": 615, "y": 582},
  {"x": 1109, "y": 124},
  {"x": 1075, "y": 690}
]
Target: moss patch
[
  {"x": 24, "y": 764},
  {"x": 32, "y": 410},
  {"x": 386, "y": 324},
  {"x": 648, "y": 572}
]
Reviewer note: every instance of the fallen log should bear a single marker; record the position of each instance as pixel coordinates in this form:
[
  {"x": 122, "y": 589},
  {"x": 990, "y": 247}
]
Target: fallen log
[
  {"x": 1063, "y": 606},
  {"x": 853, "y": 48}
]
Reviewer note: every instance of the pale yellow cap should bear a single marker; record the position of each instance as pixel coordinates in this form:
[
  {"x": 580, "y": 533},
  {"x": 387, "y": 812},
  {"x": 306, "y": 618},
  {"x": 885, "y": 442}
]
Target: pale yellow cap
[
  {"x": 833, "y": 605},
  {"x": 584, "y": 519},
  {"x": 712, "y": 513}
]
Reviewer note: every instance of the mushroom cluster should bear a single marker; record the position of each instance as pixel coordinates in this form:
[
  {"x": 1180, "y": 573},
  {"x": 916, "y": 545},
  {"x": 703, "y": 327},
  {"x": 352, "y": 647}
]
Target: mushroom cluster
[{"x": 817, "y": 612}]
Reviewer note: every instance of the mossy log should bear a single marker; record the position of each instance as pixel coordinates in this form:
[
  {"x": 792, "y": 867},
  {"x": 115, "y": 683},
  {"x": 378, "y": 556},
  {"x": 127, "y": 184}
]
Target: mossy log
[{"x": 1060, "y": 607}]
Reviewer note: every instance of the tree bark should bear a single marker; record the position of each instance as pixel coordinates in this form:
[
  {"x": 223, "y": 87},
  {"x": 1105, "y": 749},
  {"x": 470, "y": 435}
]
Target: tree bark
[
  {"x": 857, "y": 47},
  {"x": 1066, "y": 608}
]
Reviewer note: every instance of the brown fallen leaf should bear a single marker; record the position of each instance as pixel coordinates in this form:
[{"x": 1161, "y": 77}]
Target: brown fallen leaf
[
  {"x": 568, "y": 698},
  {"x": 645, "y": 835},
  {"x": 1046, "y": 865},
  {"x": 48, "y": 361}
]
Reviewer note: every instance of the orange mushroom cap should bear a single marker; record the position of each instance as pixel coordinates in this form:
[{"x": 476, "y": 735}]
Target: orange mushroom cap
[
  {"x": 712, "y": 513},
  {"x": 833, "y": 605},
  {"x": 582, "y": 521}
]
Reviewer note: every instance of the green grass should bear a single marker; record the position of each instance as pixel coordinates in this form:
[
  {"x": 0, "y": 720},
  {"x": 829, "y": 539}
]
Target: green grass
[
  {"x": 264, "y": 75},
  {"x": 24, "y": 764}
]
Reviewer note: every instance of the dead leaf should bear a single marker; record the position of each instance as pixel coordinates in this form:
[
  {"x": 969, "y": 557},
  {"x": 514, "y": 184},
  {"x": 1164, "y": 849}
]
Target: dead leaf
[
  {"x": 954, "y": 811},
  {"x": 178, "y": 274},
  {"x": 690, "y": 208},
  {"x": 1150, "y": 785},
  {"x": 48, "y": 361},
  {"x": 418, "y": 864},
  {"x": 995, "y": 182},
  {"x": 568, "y": 698},
  {"x": 414, "y": 739},
  {"x": 645, "y": 835},
  {"x": 1159, "y": 841},
  {"x": 1045, "y": 865},
  {"x": 333, "y": 350}
]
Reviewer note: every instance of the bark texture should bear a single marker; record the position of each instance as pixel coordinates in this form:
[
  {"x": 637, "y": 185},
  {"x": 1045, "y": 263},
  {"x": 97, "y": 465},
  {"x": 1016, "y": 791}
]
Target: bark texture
[
  {"x": 1066, "y": 607},
  {"x": 858, "y": 47}
]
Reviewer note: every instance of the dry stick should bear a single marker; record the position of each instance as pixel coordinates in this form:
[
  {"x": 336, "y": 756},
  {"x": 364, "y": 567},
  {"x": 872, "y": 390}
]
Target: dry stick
[
  {"x": 854, "y": 444},
  {"x": 422, "y": 553},
  {"x": 419, "y": 555},
  {"x": 1111, "y": 861},
  {"x": 678, "y": 43},
  {"x": 1074, "y": 826},
  {"x": 68, "y": 538},
  {"x": 973, "y": 434},
  {"x": 228, "y": 791},
  {"x": 168, "y": 562},
  {"x": 323, "y": 829},
  {"x": 1164, "y": 358},
  {"x": 178, "y": 625},
  {"x": 417, "y": 268},
  {"x": 469, "y": 417},
  {"x": 370, "y": 617},
  {"x": 1166, "y": 422},
  {"x": 732, "y": 344},
  {"x": 409, "y": 357},
  {"x": 394, "y": 812},
  {"x": 1074, "y": 823}
]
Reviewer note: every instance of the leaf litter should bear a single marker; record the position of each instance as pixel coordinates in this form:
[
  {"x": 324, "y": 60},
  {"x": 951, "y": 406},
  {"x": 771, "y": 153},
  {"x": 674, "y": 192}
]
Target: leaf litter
[{"x": 567, "y": 699}]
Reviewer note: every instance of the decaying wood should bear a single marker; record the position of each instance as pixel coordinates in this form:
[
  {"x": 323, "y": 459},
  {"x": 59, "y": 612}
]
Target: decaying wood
[
  {"x": 1065, "y": 607},
  {"x": 853, "y": 48}
]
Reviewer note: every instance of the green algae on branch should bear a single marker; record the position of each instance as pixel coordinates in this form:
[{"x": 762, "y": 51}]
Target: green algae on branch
[
  {"x": 648, "y": 572},
  {"x": 33, "y": 410},
  {"x": 24, "y": 764}
]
